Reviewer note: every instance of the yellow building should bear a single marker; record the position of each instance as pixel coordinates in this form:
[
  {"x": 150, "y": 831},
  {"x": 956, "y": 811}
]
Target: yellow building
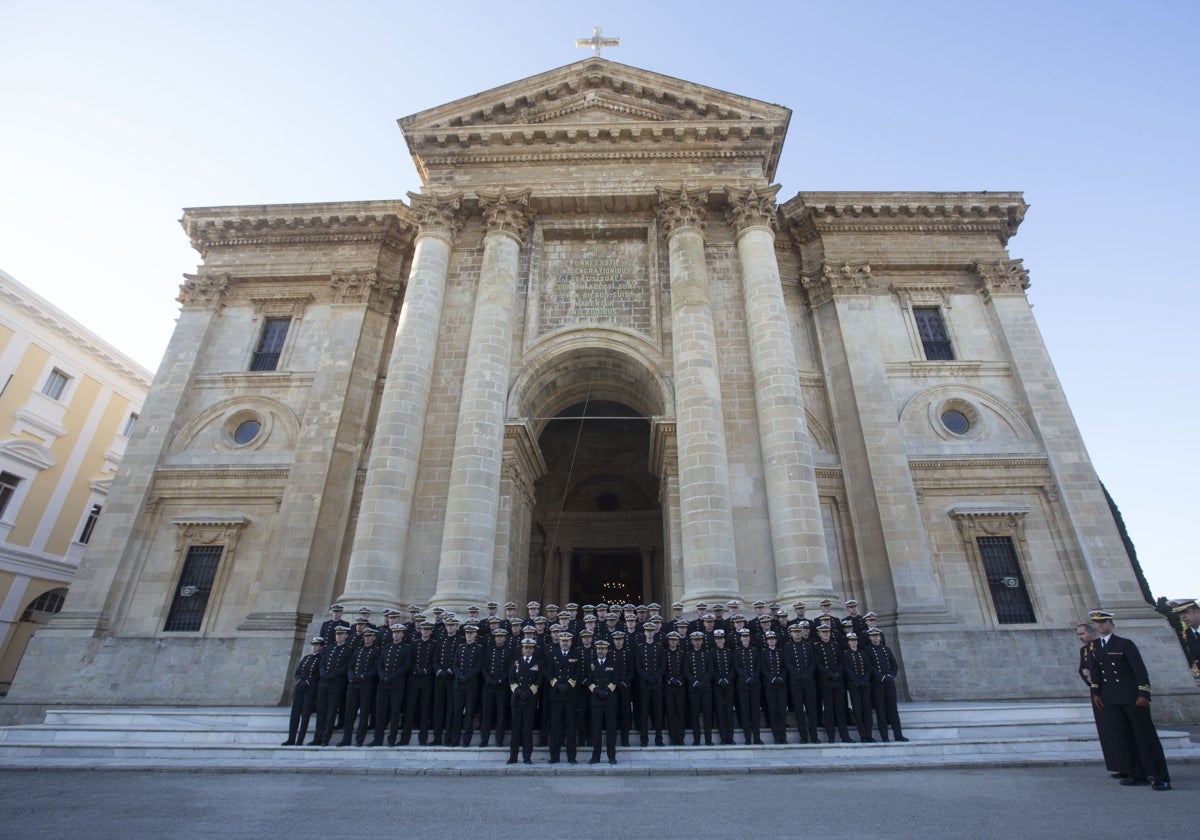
[{"x": 68, "y": 403}]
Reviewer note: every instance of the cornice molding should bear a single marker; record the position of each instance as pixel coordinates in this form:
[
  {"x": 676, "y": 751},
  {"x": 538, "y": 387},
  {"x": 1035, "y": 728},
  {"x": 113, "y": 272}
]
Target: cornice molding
[
  {"x": 387, "y": 222},
  {"x": 361, "y": 286},
  {"x": 813, "y": 214}
]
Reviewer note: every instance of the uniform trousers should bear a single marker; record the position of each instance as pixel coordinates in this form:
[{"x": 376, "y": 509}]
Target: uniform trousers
[
  {"x": 462, "y": 712},
  {"x": 674, "y": 698},
  {"x": 723, "y": 711},
  {"x": 331, "y": 693},
  {"x": 860, "y": 703},
  {"x": 494, "y": 708},
  {"x": 1136, "y": 741},
  {"x": 417, "y": 709},
  {"x": 750, "y": 702},
  {"x": 562, "y": 724},
  {"x": 604, "y": 721},
  {"x": 700, "y": 699},
  {"x": 887, "y": 715},
  {"x": 833, "y": 699},
  {"x": 523, "y": 711},
  {"x": 360, "y": 699},
  {"x": 776, "y": 696},
  {"x": 650, "y": 699},
  {"x": 304, "y": 699},
  {"x": 804, "y": 704},
  {"x": 389, "y": 703},
  {"x": 443, "y": 700}
]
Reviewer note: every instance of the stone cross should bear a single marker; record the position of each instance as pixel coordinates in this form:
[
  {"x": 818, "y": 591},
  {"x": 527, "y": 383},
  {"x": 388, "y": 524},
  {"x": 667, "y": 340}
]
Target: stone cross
[{"x": 597, "y": 42}]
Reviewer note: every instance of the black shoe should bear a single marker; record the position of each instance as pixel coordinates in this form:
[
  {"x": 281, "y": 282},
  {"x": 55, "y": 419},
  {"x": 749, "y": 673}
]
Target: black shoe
[
  {"x": 484, "y": 742},
  {"x": 375, "y": 743},
  {"x": 553, "y": 761},
  {"x": 511, "y": 761},
  {"x": 868, "y": 740},
  {"x": 645, "y": 742},
  {"x": 288, "y": 744},
  {"x": 758, "y": 741},
  {"x": 658, "y": 742},
  {"x": 529, "y": 761},
  {"x": 572, "y": 761},
  {"x": 1135, "y": 782},
  {"x": 624, "y": 742},
  {"x": 614, "y": 761},
  {"x": 848, "y": 740},
  {"x": 1119, "y": 775},
  {"x": 1161, "y": 786},
  {"x": 343, "y": 743},
  {"x": 708, "y": 742},
  {"x": 902, "y": 739},
  {"x": 593, "y": 761}
]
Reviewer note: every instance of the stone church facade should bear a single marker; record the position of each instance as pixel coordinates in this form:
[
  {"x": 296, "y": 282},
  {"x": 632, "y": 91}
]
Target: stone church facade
[{"x": 598, "y": 358}]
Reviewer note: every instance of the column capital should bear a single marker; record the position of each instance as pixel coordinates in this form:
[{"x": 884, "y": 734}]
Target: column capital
[
  {"x": 681, "y": 208},
  {"x": 203, "y": 291},
  {"x": 836, "y": 280},
  {"x": 753, "y": 207},
  {"x": 438, "y": 215},
  {"x": 1001, "y": 277},
  {"x": 506, "y": 212},
  {"x": 359, "y": 286}
]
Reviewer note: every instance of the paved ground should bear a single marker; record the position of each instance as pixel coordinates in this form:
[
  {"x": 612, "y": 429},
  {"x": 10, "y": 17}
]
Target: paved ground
[{"x": 1061, "y": 802}]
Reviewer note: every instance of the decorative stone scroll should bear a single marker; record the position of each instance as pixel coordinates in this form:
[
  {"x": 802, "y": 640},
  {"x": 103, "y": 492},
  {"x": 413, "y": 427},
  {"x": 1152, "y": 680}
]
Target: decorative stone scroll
[
  {"x": 754, "y": 207},
  {"x": 682, "y": 208},
  {"x": 506, "y": 212},
  {"x": 1002, "y": 277},
  {"x": 358, "y": 286},
  {"x": 204, "y": 290},
  {"x": 439, "y": 215},
  {"x": 837, "y": 281}
]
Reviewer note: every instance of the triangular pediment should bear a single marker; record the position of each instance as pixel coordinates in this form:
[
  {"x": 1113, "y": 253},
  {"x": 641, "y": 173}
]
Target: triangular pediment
[
  {"x": 594, "y": 90},
  {"x": 594, "y": 114}
]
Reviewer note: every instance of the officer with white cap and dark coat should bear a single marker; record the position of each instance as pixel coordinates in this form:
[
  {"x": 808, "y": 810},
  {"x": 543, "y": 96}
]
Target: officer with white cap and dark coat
[{"x": 524, "y": 680}]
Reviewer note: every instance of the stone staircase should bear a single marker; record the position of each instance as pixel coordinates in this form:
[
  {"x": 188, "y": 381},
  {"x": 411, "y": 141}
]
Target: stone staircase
[{"x": 248, "y": 739}]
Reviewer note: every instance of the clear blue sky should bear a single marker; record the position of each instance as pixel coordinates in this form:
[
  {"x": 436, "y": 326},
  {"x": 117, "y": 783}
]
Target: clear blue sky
[{"x": 114, "y": 116}]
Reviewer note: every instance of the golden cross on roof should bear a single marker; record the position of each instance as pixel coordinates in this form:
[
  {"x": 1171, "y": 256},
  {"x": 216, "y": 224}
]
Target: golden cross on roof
[{"x": 597, "y": 42}]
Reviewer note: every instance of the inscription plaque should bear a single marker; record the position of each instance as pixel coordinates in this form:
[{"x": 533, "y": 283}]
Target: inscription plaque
[{"x": 595, "y": 281}]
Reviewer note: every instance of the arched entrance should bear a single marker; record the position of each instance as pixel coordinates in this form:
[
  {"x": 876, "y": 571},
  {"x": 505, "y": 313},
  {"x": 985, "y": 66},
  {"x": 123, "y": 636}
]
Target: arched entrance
[
  {"x": 596, "y": 511},
  {"x": 596, "y": 402}
]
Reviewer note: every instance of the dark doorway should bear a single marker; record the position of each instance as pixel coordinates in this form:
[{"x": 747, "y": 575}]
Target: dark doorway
[{"x": 606, "y": 575}]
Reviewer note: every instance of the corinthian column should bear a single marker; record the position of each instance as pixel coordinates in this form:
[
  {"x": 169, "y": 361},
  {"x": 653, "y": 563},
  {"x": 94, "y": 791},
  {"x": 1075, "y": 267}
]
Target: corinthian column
[
  {"x": 377, "y": 560},
  {"x": 705, "y": 509},
  {"x": 797, "y": 535},
  {"x": 472, "y": 507}
]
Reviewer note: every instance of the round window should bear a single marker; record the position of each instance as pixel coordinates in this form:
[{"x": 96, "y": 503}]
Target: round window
[
  {"x": 246, "y": 432},
  {"x": 956, "y": 421}
]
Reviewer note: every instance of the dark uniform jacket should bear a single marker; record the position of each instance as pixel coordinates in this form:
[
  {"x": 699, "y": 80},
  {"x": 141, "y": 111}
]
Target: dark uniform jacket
[
  {"x": 496, "y": 660},
  {"x": 526, "y": 676},
  {"x": 444, "y": 657},
  {"x": 800, "y": 660},
  {"x": 364, "y": 664},
  {"x": 468, "y": 661},
  {"x": 603, "y": 680},
  {"x": 1191, "y": 643},
  {"x": 829, "y": 660},
  {"x": 723, "y": 672},
  {"x": 308, "y": 672},
  {"x": 424, "y": 657},
  {"x": 394, "y": 663},
  {"x": 883, "y": 662},
  {"x": 1118, "y": 674},
  {"x": 564, "y": 671},
  {"x": 673, "y": 676},
  {"x": 856, "y": 667},
  {"x": 697, "y": 667},
  {"x": 649, "y": 661},
  {"x": 335, "y": 662},
  {"x": 771, "y": 666},
  {"x": 746, "y": 661}
]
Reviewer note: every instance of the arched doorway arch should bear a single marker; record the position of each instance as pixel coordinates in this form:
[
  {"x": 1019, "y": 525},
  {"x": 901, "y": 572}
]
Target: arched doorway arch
[{"x": 594, "y": 403}]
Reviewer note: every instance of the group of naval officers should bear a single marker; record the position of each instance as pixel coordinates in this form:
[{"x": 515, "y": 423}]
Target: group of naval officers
[{"x": 590, "y": 675}]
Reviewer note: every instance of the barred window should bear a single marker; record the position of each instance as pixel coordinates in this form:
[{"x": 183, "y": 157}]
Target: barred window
[
  {"x": 8, "y": 486},
  {"x": 193, "y": 589},
  {"x": 932, "y": 330},
  {"x": 89, "y": 525},
  {"x": 1005, "y": 580},
  {"x": 270, "y": 344}
]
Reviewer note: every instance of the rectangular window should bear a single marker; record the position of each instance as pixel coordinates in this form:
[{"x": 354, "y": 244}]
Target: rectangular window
[
  {"x": 130, "y": 424},
  {"x": 193, "y": 589},
  {"x": 270, "y": 344},
  {"x": 89, "y": 525},
  {"x": 932, "y": 330},
  {"x": 56, "y": 383},
  {"x": 1005, "y": 580},
  {"x": 8, "y": 486}
]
